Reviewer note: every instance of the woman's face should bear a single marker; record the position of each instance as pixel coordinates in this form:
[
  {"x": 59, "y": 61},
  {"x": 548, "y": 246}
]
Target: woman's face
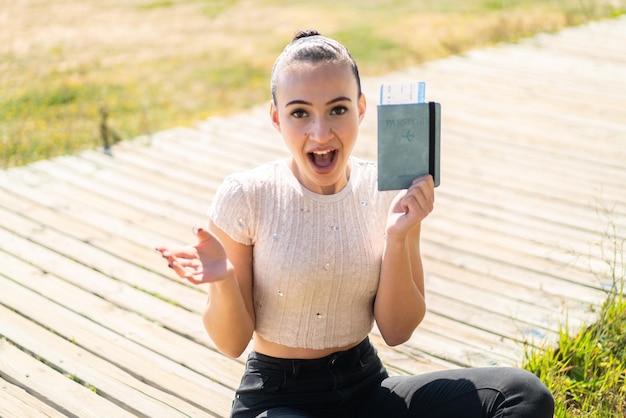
[{"x": 318, "y": 112}]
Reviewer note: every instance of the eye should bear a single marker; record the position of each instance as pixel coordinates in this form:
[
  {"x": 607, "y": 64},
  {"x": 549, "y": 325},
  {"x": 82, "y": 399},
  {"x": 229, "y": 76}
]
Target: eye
[
  {"x": 339, "y": 110},
  {"x": 299, "y": 113}
]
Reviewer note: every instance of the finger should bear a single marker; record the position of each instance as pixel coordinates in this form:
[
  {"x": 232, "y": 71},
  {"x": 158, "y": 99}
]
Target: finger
[
  {"x": 185, "y": 252},
  {"x": 425, "y": 186},
  {"x": 166, "y": 254},
  {"x": 202, "y": 234},
  {"x": 178, "y": 268},
  {"x": 418, "y": 202},
  {"x": 193, "y": 273},
  {"x": 194, "y": 280},
  {"x": 422, "y": 191},
  {"x": 182, "y": 258},
  {"x": 425, "y": 178},
  {"x": 186, "y": 268}
]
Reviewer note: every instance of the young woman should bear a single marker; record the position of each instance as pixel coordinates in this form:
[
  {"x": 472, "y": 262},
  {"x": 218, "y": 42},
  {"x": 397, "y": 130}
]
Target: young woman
[{"x": 304, "y": 254}]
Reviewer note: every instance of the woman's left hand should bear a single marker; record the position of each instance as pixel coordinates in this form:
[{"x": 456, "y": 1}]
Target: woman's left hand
[{"x": 411, "y": 206}]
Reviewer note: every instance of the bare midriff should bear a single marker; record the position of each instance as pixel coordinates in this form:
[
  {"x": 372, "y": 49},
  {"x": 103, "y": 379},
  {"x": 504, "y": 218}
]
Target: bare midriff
[{"x": 272, "y": 349}]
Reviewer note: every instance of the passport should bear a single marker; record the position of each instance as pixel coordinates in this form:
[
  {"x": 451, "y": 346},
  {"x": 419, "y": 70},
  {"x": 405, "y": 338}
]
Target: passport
[{"x": 409, "y": 136}]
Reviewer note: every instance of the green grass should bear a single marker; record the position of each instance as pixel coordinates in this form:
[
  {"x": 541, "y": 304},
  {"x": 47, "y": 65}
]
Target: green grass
[
  {"x": 49, "y": 107},
  {"x": 586, "y": 372}
]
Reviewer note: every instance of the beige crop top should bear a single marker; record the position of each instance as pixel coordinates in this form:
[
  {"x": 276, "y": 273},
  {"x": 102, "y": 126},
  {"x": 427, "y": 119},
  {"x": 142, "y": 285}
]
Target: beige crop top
[{"x": 316, "y": 259}]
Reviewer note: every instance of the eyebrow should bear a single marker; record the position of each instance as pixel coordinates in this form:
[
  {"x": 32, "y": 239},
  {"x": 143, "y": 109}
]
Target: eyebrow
[{"x": 304, "y": 102}]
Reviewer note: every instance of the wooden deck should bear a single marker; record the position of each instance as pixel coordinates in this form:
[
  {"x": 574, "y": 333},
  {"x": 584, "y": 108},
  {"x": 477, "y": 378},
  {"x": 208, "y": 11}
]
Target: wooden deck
[{"x": 533, "y": 194}]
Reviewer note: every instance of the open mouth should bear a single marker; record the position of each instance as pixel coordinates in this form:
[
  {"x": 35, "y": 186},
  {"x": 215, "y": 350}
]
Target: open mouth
[{"x": 322, "y": 159}]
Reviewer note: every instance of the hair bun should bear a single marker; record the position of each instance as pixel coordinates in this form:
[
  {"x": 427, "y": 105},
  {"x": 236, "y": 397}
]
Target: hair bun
[{"x": 306, "y": 33}]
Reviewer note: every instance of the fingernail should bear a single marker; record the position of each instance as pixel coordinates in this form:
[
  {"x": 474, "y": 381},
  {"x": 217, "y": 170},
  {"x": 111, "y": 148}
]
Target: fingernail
[
  {"x": 196, "y": 229},
  {"x": 170, "y": 265}
]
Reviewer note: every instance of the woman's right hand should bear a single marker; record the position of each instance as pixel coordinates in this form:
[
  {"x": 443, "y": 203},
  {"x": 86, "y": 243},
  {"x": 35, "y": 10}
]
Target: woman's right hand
[{"x": 199, "y": 263}]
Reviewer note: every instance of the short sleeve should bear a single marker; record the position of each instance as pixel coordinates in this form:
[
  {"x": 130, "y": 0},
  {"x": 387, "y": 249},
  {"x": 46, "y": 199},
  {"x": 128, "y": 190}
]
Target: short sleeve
[{"x": 230, "y": 211}]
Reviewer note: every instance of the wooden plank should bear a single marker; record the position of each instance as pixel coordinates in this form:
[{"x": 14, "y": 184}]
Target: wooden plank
[
  {"x": 17, "y": 402},
  {"x": 543, "y": 233},
  {"x": 251, "y": 143},
  {"x": 497, "y": 242},
  {"x": 539, "y": 129},
  {"x": 543, "y": 132},
  {"x": 466, "y": 265},
  {"x": 518, "y": 270},
  {"x": 168, "y": 174},
  {"x": 549, "y": 292},
  {"x": 139, "y": 316},
  {"x": 168, "y": 387},
  {"x": 513, "y": 70},
  {"x": 89, "y": 212},
  {"x": 534, "y": 162},
  {"x": 400, "y": 362},
  {"x": 28, "y": 182},
  {"x": 52, "y": 388},
  {"x": 127, "y": 235},
  {"x": 150, "y": 193},
  {"x": 106, "y": 263},
  {"x": 107, "y": 378},
  {"x": 599, "y": 40},
  {"x": 482, "y": 318},
  {"x": 537, "y": 210},
  {"x": 471, "y": 343}
]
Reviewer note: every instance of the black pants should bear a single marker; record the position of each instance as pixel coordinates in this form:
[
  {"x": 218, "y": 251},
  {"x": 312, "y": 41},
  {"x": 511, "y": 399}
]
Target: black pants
[{"x": 355, "y": 384}]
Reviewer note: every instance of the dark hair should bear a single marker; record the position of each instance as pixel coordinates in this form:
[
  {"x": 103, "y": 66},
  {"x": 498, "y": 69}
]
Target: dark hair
[{"x": 310, "y": 46}]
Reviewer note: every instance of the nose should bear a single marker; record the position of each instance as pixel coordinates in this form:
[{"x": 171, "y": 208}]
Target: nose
[{"x": 320, "y": 130}]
